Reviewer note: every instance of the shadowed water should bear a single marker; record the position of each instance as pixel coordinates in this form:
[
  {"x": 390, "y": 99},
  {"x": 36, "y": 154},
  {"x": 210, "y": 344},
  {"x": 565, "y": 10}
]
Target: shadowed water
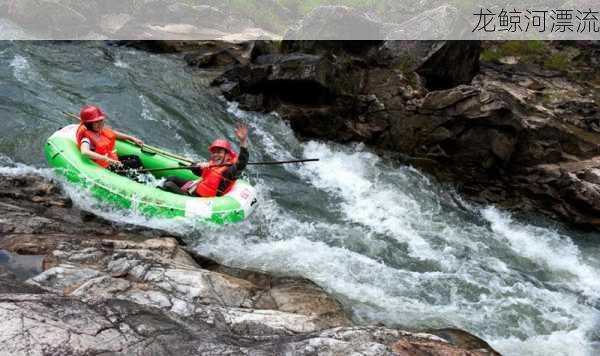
[{"x": 390, "y": 243}]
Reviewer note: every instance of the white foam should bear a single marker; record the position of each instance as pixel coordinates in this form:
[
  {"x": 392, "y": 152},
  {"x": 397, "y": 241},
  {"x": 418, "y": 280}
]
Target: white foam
[
  {"x": 479, "y": 288},
  {"x": 83, "y": 200},
  {"x": 367, "y": 199},
  {"x": 548, "y": 248},
  {"x": 120, "y": 64},
  {"x": 558, "y": 343},
  {"x": 21, "y": 68},
  {"x": 10, "y": 168},
  {"x": 146, "y": 113}
]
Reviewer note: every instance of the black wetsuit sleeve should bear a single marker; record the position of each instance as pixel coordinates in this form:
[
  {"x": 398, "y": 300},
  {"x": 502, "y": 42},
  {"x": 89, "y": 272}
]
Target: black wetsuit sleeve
[
  {"x": 234, "y": 171},
  {"x": 197, "y": 171}
]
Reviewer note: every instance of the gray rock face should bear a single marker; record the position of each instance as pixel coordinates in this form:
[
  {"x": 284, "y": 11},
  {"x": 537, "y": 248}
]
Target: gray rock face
[
  {"x": 443, "y": 64},
  {"x": 46, "y": 17},
  {"x": 38, "y": 324},
  {"x": 158, "y": 273},
  {"x": 442, "y": 22},
  {"x": 328, "y": 22}
]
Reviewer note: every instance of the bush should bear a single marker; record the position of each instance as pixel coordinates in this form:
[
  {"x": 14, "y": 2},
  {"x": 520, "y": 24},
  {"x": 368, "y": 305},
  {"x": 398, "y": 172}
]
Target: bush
[
  {"x": 557, "y": 61},
  {"x": 527, "y": 51}
]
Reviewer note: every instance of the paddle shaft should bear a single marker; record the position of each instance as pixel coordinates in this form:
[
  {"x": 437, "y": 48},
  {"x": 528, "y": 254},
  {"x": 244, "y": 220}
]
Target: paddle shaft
[{"x": 227, "y": 164}]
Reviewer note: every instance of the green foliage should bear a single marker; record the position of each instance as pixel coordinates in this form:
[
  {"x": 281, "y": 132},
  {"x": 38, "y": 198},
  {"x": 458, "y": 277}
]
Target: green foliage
[
  {"x": 538, "y": 52},
  {"x": 405, "y": 64},
  {"x": 303, "y": 7},
  {"x": 557, "y": 61},
  {"x": 527, "y": 51}
]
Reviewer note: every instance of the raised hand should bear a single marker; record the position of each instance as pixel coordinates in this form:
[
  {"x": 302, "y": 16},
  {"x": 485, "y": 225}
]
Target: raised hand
[{"x": 241, "y": 132}]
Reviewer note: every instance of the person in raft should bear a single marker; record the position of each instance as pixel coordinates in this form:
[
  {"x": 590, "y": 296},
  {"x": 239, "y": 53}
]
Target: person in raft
[
  {"x": 219, "y": 174},
  {"x": 97, "y": 141}
]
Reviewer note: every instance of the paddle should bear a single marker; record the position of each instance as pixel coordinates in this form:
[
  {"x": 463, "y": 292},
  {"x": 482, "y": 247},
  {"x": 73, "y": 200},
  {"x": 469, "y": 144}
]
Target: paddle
[
  {"x": 219, "y": 165},
  {"x": 145, "y": 147}
]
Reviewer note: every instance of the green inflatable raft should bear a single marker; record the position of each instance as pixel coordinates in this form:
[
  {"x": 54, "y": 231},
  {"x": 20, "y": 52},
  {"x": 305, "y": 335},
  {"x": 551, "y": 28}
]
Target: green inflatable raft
[{"x": 64, "y": 156}]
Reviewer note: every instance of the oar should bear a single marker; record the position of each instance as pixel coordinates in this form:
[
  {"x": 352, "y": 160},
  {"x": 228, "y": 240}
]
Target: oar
[
  {"x": 220, "y": 165},
  {"x": 151, "y": 148}
]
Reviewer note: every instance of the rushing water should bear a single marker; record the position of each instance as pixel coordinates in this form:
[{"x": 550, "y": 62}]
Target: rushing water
[{"x": 390, "y": 243}]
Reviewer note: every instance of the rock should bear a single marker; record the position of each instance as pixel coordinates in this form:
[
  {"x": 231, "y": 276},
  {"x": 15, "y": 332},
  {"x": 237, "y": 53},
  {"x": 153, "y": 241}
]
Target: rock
[
  {"x": 442, "y": 99},
  {"x": 336, "y": 23},
  {"x": 89, "y": 9},
  {"x": 10, "y": 284},
  {"x": 169, "y": 12},
  {"x": 365, "y": 48},
  {"x": 113, "y": 23},
  {"x": 151, "y": 10},
  {"x": 219, "y": 58},
  {"x": 591, "y": 175},
  {"x": 47, "y": 18},
  {"x": 444, "y": 64},
  {"x": 46, "y": 324},
  {"x": 440, "y": 23},
  {"x": 296, "y": 78},
  {"x": 463, "y": 339},
  {"x": 158, "y": 273}
]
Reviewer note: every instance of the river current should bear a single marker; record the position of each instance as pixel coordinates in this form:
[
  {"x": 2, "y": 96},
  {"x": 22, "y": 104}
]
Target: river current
[{"x": 392, "y": 244}]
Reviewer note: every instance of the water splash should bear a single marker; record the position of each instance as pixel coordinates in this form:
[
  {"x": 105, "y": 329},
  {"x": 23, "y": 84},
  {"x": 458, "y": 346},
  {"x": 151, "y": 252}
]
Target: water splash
[{"x": 21, "y": 68}]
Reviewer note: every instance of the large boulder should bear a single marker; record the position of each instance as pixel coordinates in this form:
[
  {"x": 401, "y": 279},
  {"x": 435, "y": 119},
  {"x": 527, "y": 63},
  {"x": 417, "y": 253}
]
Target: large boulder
[
  {"x": 297, "y": 78},
  {"x": 442, "y": 23},
  {"x": 336, "y": 23},
  {"x": 444, "y": 64},
  {"x": 48, "y": 19},
  {"x": 202, "y": 16}
]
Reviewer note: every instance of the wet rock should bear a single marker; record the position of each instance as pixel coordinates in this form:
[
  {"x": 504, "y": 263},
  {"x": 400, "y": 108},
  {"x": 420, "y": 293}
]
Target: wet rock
[
  {"x": 158, "y": 273},
  {"x": 9, "y": 283},
  {"x": 35, "y": 215},
  {"x": 329, "y": 22},
  {"x": 463, "y": 339}
]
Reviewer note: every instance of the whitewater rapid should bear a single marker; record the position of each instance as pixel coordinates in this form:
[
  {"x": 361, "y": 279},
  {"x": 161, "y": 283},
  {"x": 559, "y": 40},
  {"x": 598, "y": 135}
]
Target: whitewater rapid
[{"x": 392, "y": 244}]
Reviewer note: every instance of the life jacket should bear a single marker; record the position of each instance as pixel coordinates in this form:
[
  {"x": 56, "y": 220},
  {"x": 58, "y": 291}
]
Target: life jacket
[
  {"x": 103, "y": 143},
  {"x": 212, "y": 177}
]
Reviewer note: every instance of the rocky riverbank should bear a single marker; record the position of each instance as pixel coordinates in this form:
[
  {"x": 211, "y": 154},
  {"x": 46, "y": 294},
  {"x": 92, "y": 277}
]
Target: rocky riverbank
[
  {"x": 107, "y": 288},
  {"x": 515, "y": 124}
]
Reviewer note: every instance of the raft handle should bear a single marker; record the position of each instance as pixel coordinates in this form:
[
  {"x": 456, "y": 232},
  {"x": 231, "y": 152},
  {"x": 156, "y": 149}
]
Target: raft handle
[{"x": 148, "y": 152}]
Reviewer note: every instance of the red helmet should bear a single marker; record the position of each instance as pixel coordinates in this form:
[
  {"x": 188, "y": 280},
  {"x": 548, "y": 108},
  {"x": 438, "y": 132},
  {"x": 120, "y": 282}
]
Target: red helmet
[
  {"x": 91, "y": 113},
  {"x": 224, "y": 144}
]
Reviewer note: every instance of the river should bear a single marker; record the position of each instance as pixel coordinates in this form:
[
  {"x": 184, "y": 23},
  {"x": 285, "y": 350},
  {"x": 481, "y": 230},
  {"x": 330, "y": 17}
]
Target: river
[{"x": 392, "y": 244}]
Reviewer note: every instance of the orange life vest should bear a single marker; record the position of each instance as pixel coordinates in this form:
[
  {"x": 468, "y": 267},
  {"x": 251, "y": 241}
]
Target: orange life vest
[
  {"x": 103, "y": 143},
  {"x": 211, "y": 180}
]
